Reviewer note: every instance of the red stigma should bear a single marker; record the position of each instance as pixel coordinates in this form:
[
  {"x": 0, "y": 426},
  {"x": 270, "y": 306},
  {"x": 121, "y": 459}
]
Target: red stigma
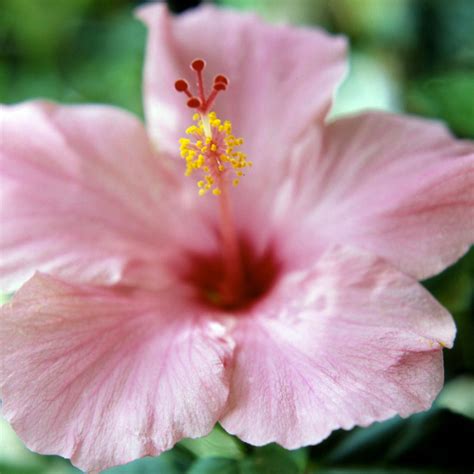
[
  {"x": 198, "y": 65},
  {"x": 181, "y": 85},
  {"x": 193, "y": 103},
  {"x": 200, "y": 101},
  {"x": 221, "y": 78}
]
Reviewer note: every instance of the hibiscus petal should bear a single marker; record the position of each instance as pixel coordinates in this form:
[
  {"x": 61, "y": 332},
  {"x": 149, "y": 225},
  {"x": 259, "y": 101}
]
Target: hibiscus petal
[
  {"x": 347, "y": 342},
  {"x": 104, "y": 377},
  {"x": 400, "y": 187},
  {"x": 82, "y": 194},
  {"x": 282, "y": 78}
]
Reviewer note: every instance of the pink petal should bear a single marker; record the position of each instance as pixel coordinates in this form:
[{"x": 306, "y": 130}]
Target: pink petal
[
  {"x": 347, "y": 342},
  {"x": 400, "y": 187},
  {"x": 281, "y": 78},
  {"x": 105, "y": 377},
  {"x": 83, "y": 195}
]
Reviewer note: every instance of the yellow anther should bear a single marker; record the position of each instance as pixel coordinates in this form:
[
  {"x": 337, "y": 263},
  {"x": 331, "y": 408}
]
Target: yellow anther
[
  {"x": 192, "y": 130},
  {"x": 211, "y": 150}
]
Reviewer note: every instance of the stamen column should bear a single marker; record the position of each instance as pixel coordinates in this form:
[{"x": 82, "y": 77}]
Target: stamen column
[{"x": 212, "y": 151}]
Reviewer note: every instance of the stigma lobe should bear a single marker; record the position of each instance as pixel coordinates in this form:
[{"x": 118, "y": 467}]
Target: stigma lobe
[{"x": 200, "y": 101}]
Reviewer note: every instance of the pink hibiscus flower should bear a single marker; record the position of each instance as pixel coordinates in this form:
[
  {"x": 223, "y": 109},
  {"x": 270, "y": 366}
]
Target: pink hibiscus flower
[{"x": 284, "y": 308}]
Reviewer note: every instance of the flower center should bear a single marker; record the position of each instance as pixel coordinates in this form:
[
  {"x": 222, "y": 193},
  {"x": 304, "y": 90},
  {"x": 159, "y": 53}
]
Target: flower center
[
  {"x": 209, "y": 149},
  {"x": 207, "y": 274}
]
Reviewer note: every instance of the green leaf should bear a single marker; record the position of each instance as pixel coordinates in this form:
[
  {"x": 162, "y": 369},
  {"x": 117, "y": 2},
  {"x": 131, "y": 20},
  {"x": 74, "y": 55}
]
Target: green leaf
[
  {"x": 300, "y": 12},
  {"x": 5, "y": 298},
  {"x": 218, "y": 444},
  {"x": 176, "y": 461},
  {"x": 16, "y": 458},
  {"x": 300, "y": 458},
  {"x": 215, "y": 466},
  {"x": 119, "y": 44},
  {"x": 449, "y": 97},
  {"x": 377, "y": 470},
  {"x": 40, "y": 29},
  {"x": 458, "y": 396},
  {"x": 273, "y": 459},
  {"x": 362, "y": 443},
  {"x": 453, "y": 287},
  {"x": 437, "y": 439}
]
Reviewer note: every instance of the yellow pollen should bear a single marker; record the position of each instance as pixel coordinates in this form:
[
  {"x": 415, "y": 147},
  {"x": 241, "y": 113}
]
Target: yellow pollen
[{"x": 210, "y": 149}]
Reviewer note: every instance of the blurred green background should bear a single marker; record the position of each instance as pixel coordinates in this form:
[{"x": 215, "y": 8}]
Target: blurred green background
[{"x": 413, "y": 56}]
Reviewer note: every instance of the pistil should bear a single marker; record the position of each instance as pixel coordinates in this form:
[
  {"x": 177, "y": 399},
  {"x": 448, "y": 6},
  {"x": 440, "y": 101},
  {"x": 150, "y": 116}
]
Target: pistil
[{"x": 210, "y": 150}]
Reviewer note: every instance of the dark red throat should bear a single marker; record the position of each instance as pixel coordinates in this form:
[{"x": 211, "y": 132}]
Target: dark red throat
[{"x": 259, "y": 274}]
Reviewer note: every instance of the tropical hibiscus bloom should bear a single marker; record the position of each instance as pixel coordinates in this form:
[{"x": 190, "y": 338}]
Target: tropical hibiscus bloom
[{"x": 284, "y": 307}]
